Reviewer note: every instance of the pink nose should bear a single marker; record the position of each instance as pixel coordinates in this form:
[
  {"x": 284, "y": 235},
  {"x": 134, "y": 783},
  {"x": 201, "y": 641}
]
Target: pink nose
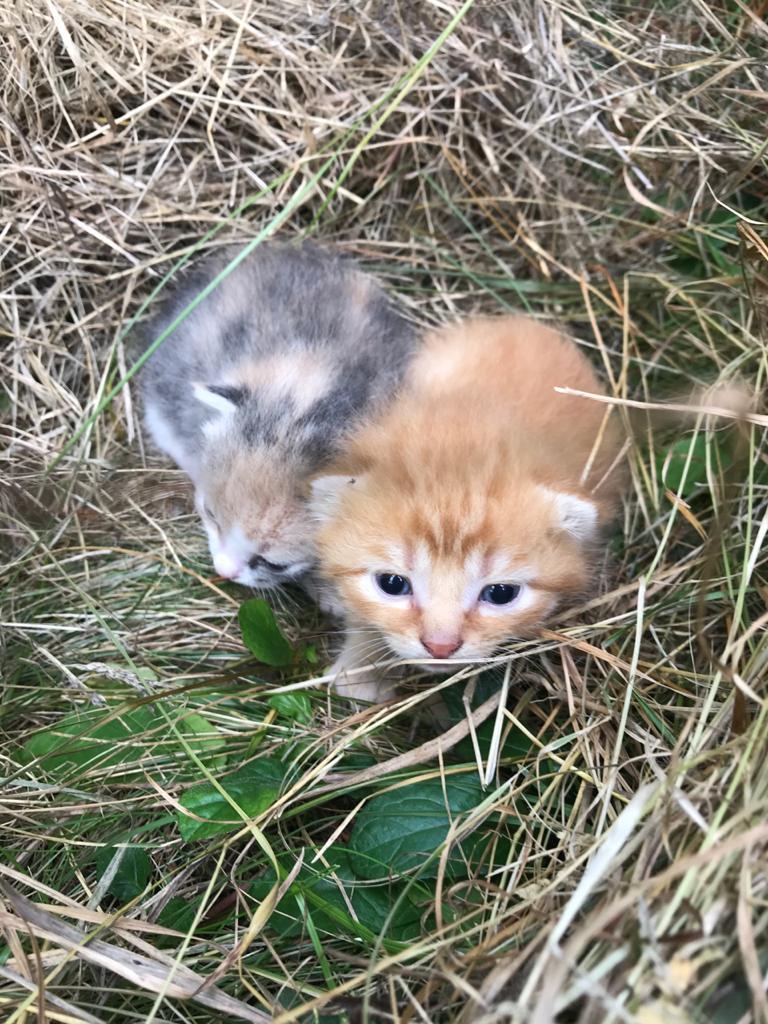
[
  {"x": 441, "y": 650},
  {"x": 226, "y": 566}
]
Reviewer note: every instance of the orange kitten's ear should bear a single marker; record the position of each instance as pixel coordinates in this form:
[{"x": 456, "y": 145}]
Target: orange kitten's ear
[
  {"x": 327, "y": 492},
  {"x": 574, "y": 515}
]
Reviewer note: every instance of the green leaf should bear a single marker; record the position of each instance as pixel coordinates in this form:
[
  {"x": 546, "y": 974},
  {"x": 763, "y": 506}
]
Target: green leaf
[
  {"x": 732, "y": 1003},
  {"x": 85, "y": 740},
  {"x": 516, "y": 745},
  {"x": 671, "y": 463},
  {"x": 310, "y": 654},
  {"x": 132, "y": 873},
  {"x": 253, "y": 787},
  {"x": 329, "y": 909},
  {"x": 204, "y": 739},
  {"x": 372, "y": 903},
  {"x": 261, "y": 633},
  {"x": 178, "y": 913},
  {"x": 296, "y": 706},
  {"x": 98, "y": 738},
  {"x": 398, "y": 830},
  {"x": 732, "y": 998}
]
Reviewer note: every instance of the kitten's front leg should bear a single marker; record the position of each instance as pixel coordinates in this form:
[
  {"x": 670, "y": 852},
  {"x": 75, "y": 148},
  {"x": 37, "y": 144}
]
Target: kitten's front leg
[
  {"x": 324, "y": 595},
  {"x": 356, "y": 678}
]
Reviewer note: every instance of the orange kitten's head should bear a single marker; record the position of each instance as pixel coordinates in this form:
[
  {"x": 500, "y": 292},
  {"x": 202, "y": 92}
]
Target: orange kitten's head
[{"x": 450, "y": 564}]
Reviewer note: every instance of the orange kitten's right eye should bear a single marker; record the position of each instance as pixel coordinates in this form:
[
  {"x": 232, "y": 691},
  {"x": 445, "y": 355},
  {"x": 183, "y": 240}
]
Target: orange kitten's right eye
[
  {"x": 210, "y": 515},
  {"x": 500, "y": 593},
  {"x": 393, "y": 585}
]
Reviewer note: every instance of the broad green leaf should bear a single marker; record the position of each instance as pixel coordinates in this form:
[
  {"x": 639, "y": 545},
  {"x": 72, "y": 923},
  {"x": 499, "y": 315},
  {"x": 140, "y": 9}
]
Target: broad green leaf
[
  {"x": 672, "y": 462},
  {"x": 178, "y": 913},
  {"x": 204, "y": 739},
  {"x": 372, "y": 903},
  {"x": 330, "y": 913},
  {"x": 132, "y": 873},
  {"x": 733, "y": 1005},
  {"x": 261, "y": 633},
  {"x": 310, "y": 654},
  {"x": 516, "y": 744},
  {"x": 253, "y": 787},
  {"x": 91, "y": 739},
  {"x": 398, "y": 830},
  {"x": 732, "y": 999},
  {"x": 95, "y": 738},
  {"x": 296, "y": 706}
]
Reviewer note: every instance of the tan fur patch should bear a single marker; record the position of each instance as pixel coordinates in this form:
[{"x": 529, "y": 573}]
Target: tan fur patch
[
  {"x": 304, "y": 377},
  {"x": 256, "y": 493}
]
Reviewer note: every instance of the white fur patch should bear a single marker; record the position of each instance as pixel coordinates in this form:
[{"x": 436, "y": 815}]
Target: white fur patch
[
  {"x": 215, "y": 428},
  {"x": 327, "y": 492},
  {"x": 576, "y": 516},
  {"x": 213, "y": 400},
  {"x": 168, "y": 441},
  {"x": 439, "y": 373},
  {"x": 233, "y": 551}
]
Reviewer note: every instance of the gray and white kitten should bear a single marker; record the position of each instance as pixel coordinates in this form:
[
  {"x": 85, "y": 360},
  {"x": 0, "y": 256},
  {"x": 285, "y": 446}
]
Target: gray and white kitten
[{"x": 253, "y": 392}]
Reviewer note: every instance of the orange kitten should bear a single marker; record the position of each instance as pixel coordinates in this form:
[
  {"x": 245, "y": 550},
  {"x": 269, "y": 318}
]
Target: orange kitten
[{"x": 469, "y": 511}]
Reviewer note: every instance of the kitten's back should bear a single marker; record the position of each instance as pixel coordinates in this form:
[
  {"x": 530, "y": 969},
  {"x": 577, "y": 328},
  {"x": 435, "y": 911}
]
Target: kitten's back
[
  {"x": 480, "y": 393},
  {"x": 310, "y": 339},
  {"x": 513, "y": 362}
]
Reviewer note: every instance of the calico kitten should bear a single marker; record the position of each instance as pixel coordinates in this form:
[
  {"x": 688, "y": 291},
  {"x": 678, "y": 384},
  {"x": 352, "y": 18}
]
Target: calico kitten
[
  {"x": 469, "y": 510},
  {"x": 252, "y": 392}
]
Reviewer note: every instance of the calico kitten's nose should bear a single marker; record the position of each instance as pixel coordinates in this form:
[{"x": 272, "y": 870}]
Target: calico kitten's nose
[
  {"x": 441, "y": 650},
  {"x": 226, "y": 566}
]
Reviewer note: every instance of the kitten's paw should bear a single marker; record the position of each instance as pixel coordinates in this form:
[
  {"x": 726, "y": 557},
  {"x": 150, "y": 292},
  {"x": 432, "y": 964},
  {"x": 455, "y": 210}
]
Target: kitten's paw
[
  {"x": 360, "y": 683},
  {"x": 324, "y": 596}
]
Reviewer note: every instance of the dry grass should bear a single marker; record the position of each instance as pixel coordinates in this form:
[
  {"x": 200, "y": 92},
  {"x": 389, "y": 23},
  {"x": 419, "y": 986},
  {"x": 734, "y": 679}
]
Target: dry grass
[{"x": 602, "y": 163}]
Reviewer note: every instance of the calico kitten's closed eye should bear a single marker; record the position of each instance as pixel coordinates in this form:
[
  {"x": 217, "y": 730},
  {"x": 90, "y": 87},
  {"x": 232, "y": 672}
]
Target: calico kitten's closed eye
[{"x": 474, "y": 494}]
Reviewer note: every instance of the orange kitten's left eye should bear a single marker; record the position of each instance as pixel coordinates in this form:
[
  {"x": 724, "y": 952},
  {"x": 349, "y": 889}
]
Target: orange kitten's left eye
[
  {"x": 500, "y": 593},
  {"x": 394, "y": 585}
]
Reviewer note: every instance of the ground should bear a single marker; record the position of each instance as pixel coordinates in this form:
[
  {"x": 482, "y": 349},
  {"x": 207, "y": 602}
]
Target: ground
[{"x": 181, "y": 808}]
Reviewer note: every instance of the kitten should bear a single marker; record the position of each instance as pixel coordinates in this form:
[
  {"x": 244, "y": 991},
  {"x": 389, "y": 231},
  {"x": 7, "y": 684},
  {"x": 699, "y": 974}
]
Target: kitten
[
  {"x": 469, "y": 510},
  {"x": 252, "y": 392}
]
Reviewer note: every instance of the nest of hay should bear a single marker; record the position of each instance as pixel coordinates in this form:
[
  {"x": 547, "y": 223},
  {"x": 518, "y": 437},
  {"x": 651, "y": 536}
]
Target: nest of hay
[{"x": 600, "y": 164}]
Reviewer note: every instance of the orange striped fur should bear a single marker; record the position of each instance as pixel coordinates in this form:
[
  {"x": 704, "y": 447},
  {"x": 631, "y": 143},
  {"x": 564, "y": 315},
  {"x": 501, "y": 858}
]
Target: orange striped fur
[{"x": 478, "y": 473}]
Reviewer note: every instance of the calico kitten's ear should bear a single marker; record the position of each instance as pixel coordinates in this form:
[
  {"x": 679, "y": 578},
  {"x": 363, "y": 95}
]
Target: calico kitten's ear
[
  {"x": 576, "y": 516},
  {"x": 224, "y": 398},
  {"x": 326, "y": 494}
]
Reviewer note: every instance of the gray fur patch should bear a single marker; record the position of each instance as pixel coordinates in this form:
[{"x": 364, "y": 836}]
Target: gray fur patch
[{"x": 294, "y": 302}]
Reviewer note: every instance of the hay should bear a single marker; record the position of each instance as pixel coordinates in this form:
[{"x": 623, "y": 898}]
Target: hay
[{"x": 603, "y": 164}]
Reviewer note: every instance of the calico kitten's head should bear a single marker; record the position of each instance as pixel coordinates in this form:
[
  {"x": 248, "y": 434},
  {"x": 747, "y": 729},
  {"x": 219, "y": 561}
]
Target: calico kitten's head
[
  {"x": 259, "y": 527},
  {"x": 451, "y": 570}
]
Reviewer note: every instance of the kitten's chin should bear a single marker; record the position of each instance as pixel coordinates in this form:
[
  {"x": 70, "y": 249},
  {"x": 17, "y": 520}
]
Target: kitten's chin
[
  {"x": 435, "y": 668},
  {"x": 442, "y": 668}
]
